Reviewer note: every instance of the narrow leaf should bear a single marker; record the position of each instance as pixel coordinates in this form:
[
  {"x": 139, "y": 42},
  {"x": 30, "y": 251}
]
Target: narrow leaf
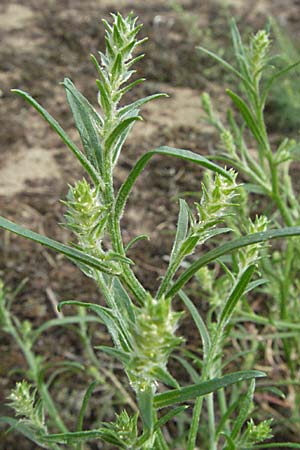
[
  {"x": 121, "y": 356},
  {"x": 145, "y": 401},
  {"x": 135, "y": 240},
  {"x": 17, "y": 425},
  {"x": 199, "y": 322},
  {"x": 224, "y": 249},
  {"x": 235, "y": 296},
  {"x": 70, "y": 252},
  {"x": 244, "y": 410},
  {"x": 135, "y": 106},
  {"x": 84, "y": 405},
  {"x": 277, "y": 75},
  {"x": 167, "y": 417},
  {"x": 118, "y": 130},
  {"x": 62, "y": 322},
  {"x": 248, "y": 117},
  {"x": 56, "y": 127},
  {"x": 182, "y": 228},
  {"x": 88, "y": 123},
  {"x": 187, "y": 393},
  {"x": 169, "y": 151}
]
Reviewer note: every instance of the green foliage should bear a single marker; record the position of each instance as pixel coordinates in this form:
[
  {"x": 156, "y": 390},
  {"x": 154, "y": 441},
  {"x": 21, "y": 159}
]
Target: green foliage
[
  {"x": 245, "y": 145},
  {"x": 143, "y": 325}
]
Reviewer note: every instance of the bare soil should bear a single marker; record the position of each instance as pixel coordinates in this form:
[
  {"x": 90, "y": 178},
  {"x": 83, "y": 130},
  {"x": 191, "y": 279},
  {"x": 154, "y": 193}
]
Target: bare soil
[{"x": 44, "y": 41}]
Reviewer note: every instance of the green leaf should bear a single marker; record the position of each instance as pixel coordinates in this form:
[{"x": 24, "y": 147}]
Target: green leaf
[
  {"x": 70, "y": 252},
  {"x": 136, "y": 239},
  {"x": 116, "y": 69},
  {"x": 135, "y": 106},
  {"x": 17, "y": 425},
  {"x": 145, "y": 402},
  {"x": 274, "y": 78},
  {"x": 122, "y": 300},
  {"x": 224, "y": 249},
  {"x": 164, "y": 376},
  {"x": 235, "y": 296},
  {"x": 187, "y": 393},
  {"x": 79, "y": 436},
  {"x": 168, "y": 151},
  {"x": 199, "y": 322},
  {"x": 56, "y": 127},
  {"x": 248, "y": 117},
  {"x": 84, "y": 405},
  {"x": 116, "y": 134},
  {"x": 244, "y": 411},
  {"x": 227, "y": 66},
  {"x": 119, "y": 336},
  {"x": 88, "y": 123},
  {"x": 61, "y": 322},
  {"x": 182, "y": 228},
  {"x": 167, "y": 417},
  {"x": 104, "y": 98},
  {"x": 195, "y": 377},
  {"x": 121, "y": 356}
]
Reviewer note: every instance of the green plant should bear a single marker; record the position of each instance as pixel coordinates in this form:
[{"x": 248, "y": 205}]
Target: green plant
[
  {"x": 268, "y": 174},
  {"x": 142, "y": 324}
]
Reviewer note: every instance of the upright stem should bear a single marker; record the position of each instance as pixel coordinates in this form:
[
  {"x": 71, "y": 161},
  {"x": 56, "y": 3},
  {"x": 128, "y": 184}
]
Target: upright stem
[
  {"x": 127, "y": 274},
  {"x": 211, "y": 421},
  {"x": 195, "y": 424}
]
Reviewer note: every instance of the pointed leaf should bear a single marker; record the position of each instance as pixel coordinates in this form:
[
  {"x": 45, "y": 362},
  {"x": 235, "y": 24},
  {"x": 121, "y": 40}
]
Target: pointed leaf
[
  {"x": 235, "y": 296},
  {"x": 274, "y": 78},
  {"x": 165, "y": 377},
  {"x": 118, "y": 130},
  {"x": 169, "y": 151},
  {"x": 88, "y": 123},
  {"x": 167, "y": 417},
  {"x": 145, "y": 401},
  {"x": 182, "y": 228},
  {"x": 121, "y": 356},
  {"x": 199, "y": 322},
  {"x": 135, "y": 106},
  {"x": 187, "y": 393},
  {"x": 244, "y": 410},
  {"x": 84, "y": 405},
  {"x": 136, "y": 239},
  {"x": 248, "y": 117},
  {"x": 70, "y": 252},
  {"x": 108, "y": 318},
  {"x": 22, "y": 428},
  {"x": 56, "y": 127},
  {"x": 224, "y": 249}
]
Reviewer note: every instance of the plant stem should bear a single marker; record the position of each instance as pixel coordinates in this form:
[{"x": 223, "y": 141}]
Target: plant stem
[
  {"x": 40, "y": 385},
  {"x": 192, "y": 437}
]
